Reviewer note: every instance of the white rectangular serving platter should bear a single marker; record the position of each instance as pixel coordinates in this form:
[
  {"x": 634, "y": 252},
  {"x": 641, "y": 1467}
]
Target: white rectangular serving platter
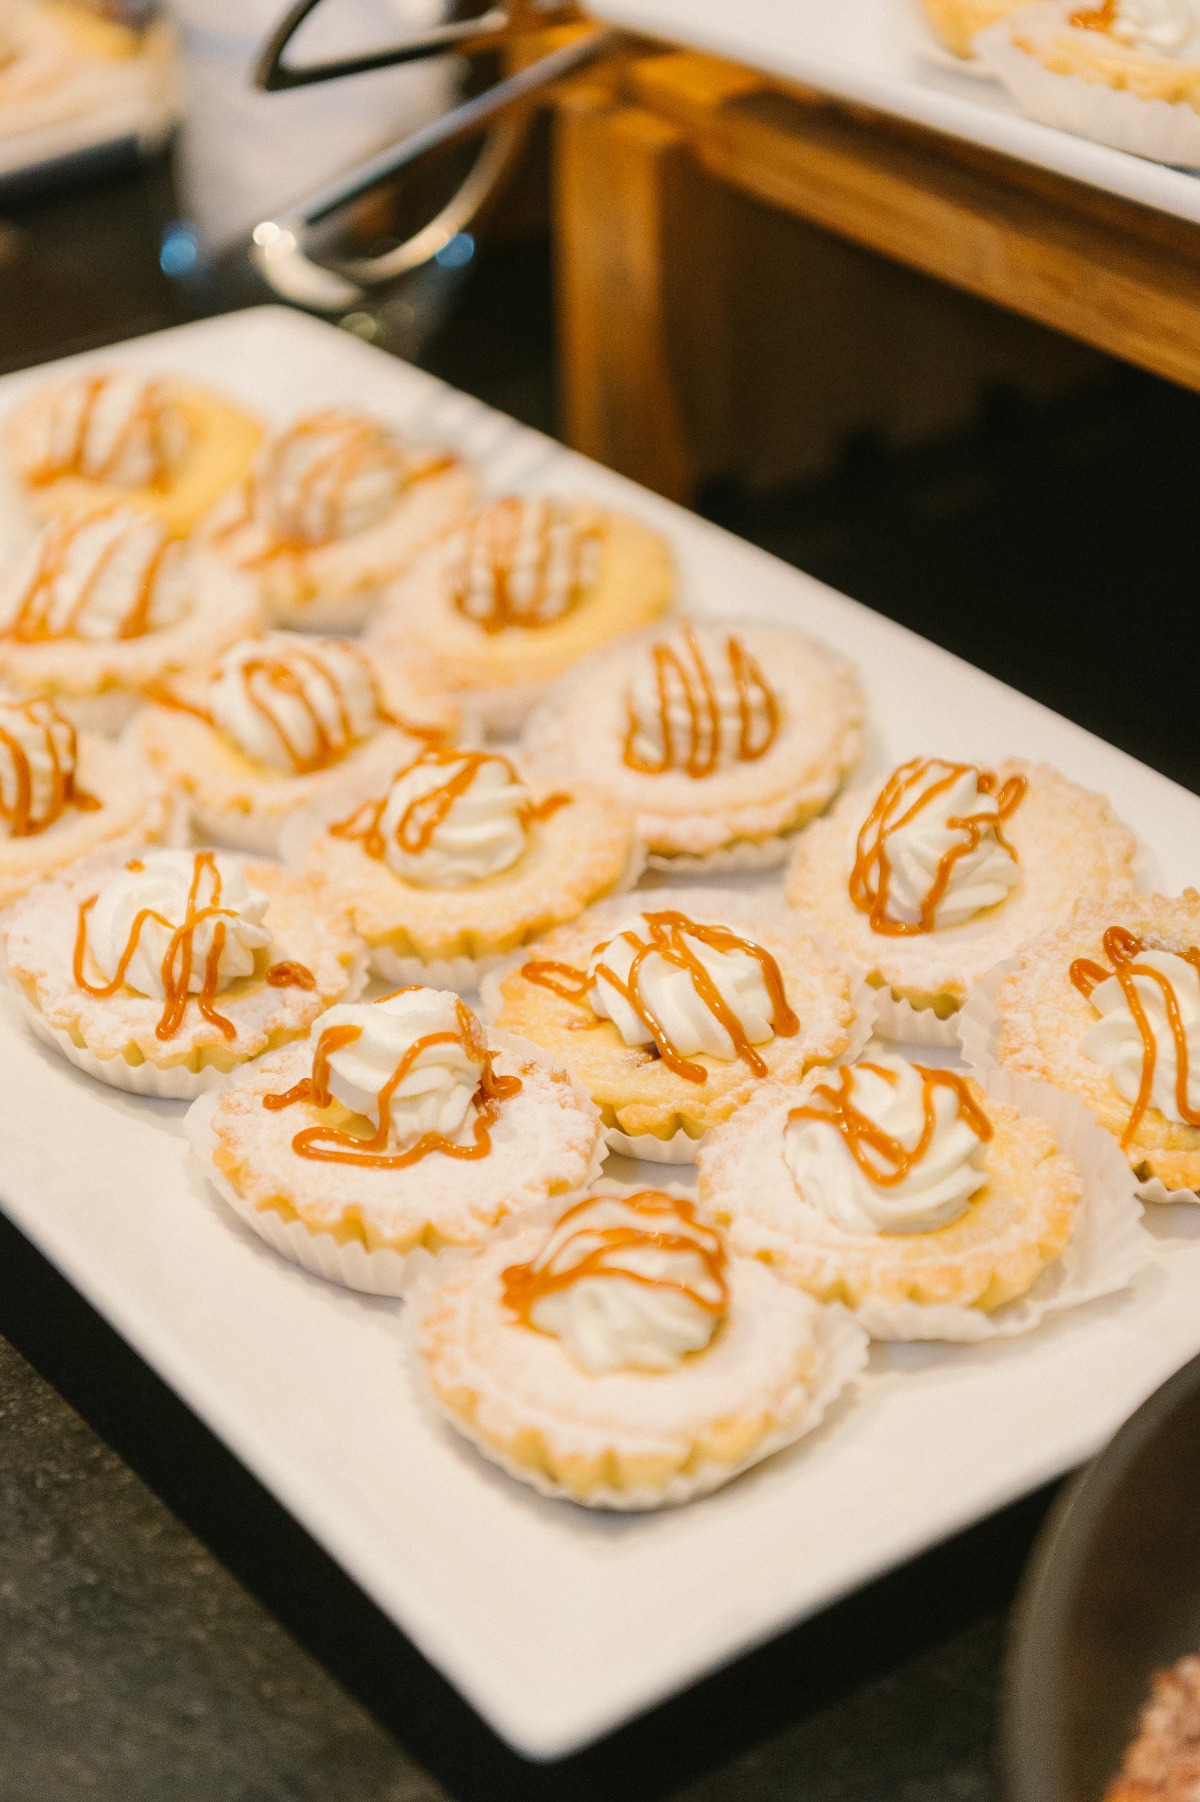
[
  {"x": 881, "y": 54},
  {"x": 557, "y": 1624}
]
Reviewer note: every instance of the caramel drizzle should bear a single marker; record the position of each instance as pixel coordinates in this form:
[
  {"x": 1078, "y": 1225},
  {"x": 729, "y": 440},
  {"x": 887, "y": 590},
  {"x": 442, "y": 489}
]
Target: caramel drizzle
[
  {"x": 422, "y": 817},
  {"x": 289, "y": 975},
  {"x": 1122, "y": 948},
  {"x": 526, "y": 1284},
  {"x": 163, "y": 695},
  {"x": 20, "y": 817},
  {"x": 870, "y": 879},
  {"x": 32, "y": 623},
  {"x": 1095, "y": 18},
  {"x": 356, "y": 443},
  {"x": 700, "y": 754},
  {"x": 667, "y": 935},
  {"x": 179, "y": 957},
  {"x": 863, "y": 1137},
  {"x": 146, "y": 415},
  {"x": 492, "y": 545},
  {"x": 267, "y": 676},
  {"x": 331, "y": 1145}
]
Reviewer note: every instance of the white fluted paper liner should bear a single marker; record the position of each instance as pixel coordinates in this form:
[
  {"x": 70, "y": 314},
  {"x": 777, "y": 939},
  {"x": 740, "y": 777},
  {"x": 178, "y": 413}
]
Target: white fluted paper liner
[
  {"x": 382, "y": 1271},
  {"x": 1107, "y": 1248},
  {"x": 843, "y": 1348},
  {"x": 176, "y": 1083},
  {"x": 979, "y": 1032},
  {"x": 681, "y": 1147},
  {"x": 1162, "y": 130},
  {"x": 898, "y": 1019}
]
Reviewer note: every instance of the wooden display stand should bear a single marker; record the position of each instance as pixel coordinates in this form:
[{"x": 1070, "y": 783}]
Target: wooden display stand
[{"x": 671, "y": 170}]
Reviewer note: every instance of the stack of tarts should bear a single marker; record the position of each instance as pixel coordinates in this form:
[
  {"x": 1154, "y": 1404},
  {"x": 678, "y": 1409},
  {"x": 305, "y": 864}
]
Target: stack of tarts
[{"x": 418, "y": 988}]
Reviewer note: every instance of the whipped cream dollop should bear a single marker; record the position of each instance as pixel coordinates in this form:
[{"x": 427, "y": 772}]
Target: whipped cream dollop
[
  {"x": 920, "y": 834},
  {"x": 1168, "y": 28},
  {"x": 526, "y": 563},
  {"x": 161, "y": 892},
  {"x": 625, "y": 1283},
  {"x": 667, "y": 991},
  {"x": 698, "y": 703},
  {"x": 435, "y": 1093},
  {"x": 899, "y": 1105},
  {"x": 296, "y": 704},
  {"x": 116, "y": 427},
  {"x": 328, "y": 476},
  {"x": 99, "y": 577},
  {"x": 37, "y": 767},
  {"x": 1116, "y": 1040},
  {"x": 451, "y": 818}
]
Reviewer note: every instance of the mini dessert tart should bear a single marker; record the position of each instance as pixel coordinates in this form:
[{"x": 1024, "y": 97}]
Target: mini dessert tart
[
  {"x": 516, "y": 597},
  {"x": 335, "y": 508},
  {"x": 717, "y": 739},
  {"x": 957, "y": 21},
  {"x": 59, "y": 61},
  {"x": 1123, "y": 72},
  {"x": 888, "y": 1183},
  {"x": 398, "y": 1129},
  {"x": 276, "y": 724},
  {"x": 162, "y": 972},
  {"x": 117, "y": 436},
  {"x": 671, "y": 1007},
  {"x": 1107, "y": 1006},
  {"x": 946, "y": 869},
  {"x": 105, "y": 604},
  {"x": 619, "y": 1357},
  {"x": 64, "y": 795},
  {"x": 459, "y": 860}
]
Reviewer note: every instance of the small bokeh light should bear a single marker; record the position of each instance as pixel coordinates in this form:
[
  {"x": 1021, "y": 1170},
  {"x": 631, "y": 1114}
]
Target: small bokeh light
[
  {"x": 458, "y": 253},
  {"x": 180, "y": 249}
]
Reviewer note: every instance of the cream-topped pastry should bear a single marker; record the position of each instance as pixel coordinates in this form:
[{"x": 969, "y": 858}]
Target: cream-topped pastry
[
  {"x": 400, "y": 1125},
  {"x": 519, "y": 594},
  {"x": 718, "y": 738},
  {"x": 671, "y": 1015},
  {"x": 939, "y": 874},
  {"x": 160, "y": 971},
  {"x": 460, "y": 855},
  {"x": 60, "y": 60},
  {"x": 886, "y": 1181},
  {"x": 63, "y": 795},
  {"x": 106, "y": 603},
  {"x": 1124, "y": 72},
  {"x": 620, "y": 1357},
  {"x": 957, "y": 21},
  {"x": 335, "y": 508},
  {"x": 118, "y": 436},
  {"x": 1107, "y": 1006},
  {"x": 276, "y": 724}
]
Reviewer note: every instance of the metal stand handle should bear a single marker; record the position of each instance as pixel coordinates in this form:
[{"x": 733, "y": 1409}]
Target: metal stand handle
[{"x": 280, "y": 245}]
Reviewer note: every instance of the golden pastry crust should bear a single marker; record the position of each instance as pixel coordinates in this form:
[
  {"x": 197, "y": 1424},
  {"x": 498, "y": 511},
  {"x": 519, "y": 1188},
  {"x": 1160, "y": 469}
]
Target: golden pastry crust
[
  {"x": 135, "y": 809},
  {"x": 333, "y": 587},
  {"x": 1047, "y": 34},
  {"x": 1043, "y": 1019},
  {"x": 236, "y": 800},
  {"x": 623, "y": 1434},
  {"x": 957, "y": 21},
  {"x": 99, "y": 681},
  {"x": 635, "y": 585},
  {"x": 1019, "y": 1223},
  {"x": 582, "y": 852},
  {"x": 543, "y": 1141},
  {"x": 221, "y": 440},
  {"x": 582, "y": 728},
  {"x": 1067, "y": 841},
  {"x": 307, "y": 927},
  {"x": 634, "y": 1089}
]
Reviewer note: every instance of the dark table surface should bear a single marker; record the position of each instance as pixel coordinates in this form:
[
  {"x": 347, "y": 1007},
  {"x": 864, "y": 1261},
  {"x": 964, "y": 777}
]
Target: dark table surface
[{"x": 165, "y": 1630}]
